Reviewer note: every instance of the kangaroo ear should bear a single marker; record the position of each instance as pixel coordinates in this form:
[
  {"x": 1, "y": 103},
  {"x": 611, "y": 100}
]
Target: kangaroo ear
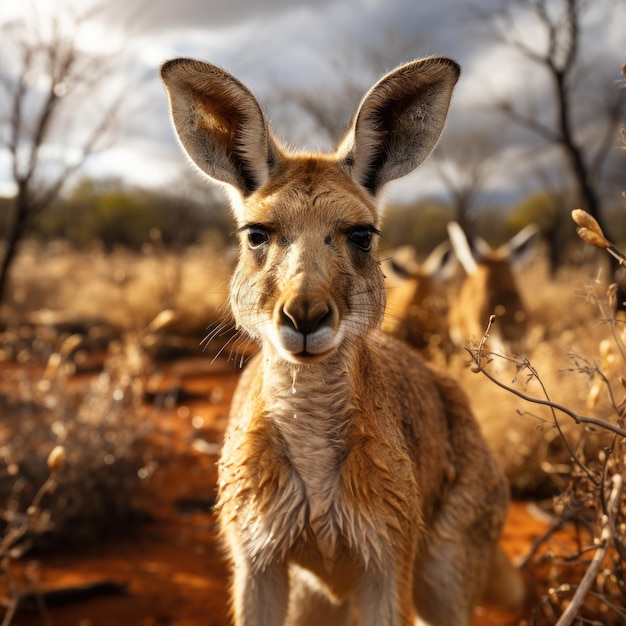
[
  {"x": 219, "y": 123},
  {"x": 481, "y": 250},
  {"x": 461, "y": 248},
  {"x": 441, "y": 263},
  {"x": 399, "y": 121},
  {"x": 521, "y": 247}
]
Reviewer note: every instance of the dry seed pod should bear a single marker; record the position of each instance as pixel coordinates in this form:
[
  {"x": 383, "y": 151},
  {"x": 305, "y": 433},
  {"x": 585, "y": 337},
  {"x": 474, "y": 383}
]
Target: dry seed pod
[
  {"x": 611, "y": 296},
  {"x": 164, "y": 318},
  {"x": 593, "y": 238},
  {"x": 70, "y": 344},
  {"x": 593, "y": 396},
  {"x": 56, "y": 459},
  {"x": 586, "y": 221},
  {"x": 582, "y": 218},
  {"x": 52, "y": 366}
]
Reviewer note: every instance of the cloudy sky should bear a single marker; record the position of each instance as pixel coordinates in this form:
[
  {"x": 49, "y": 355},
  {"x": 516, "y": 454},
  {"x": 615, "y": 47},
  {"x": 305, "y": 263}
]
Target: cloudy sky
[{"x": 278, "y": 45}]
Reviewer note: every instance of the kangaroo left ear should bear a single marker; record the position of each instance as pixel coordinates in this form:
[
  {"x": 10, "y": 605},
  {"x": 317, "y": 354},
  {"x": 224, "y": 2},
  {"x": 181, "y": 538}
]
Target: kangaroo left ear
[
  {"x": 399, "y": 122},
  {"x": 441, "y": 263},
  {"x": 461, "y": 248}
]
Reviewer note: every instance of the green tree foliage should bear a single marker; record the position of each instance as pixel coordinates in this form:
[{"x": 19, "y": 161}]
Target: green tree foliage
[
  {"x": 422, "y": 225},
  {"x": 115, "y": 214},
  {"x": 539, "y": 208}
]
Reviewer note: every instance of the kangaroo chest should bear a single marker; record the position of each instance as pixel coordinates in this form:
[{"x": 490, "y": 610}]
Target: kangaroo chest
[
  {"x": 312, "y": 420},
  {"x": 306, "y": 490}
]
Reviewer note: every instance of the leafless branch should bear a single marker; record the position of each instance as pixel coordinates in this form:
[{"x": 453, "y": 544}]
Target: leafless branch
[
  {"x": 464, "y": 163},
  {"x": 478, "y": 355},
  {"x": 529, "y": 122},
  {"x": 606, "y": 537},
  {"x": 613, "y": 112},
  {"x": 50, "y": 71}
]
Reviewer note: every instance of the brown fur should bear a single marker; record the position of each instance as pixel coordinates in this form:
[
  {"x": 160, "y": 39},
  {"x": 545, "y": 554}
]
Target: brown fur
[
  {"x": 354, "y": 481},
  {"x": 417, "y": 306},
  {"x": 490, "y": 288}
]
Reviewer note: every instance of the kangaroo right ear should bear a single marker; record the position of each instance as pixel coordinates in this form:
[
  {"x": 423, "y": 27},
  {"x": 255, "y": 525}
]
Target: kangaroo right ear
[
  {"x": 520, "y": 248},
  {"x": 399, "y": 121},
  {"x": 219, "y": 123}
]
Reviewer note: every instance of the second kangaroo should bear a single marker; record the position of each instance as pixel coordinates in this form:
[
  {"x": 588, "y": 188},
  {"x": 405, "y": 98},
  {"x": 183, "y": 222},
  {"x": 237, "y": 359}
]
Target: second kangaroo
[{"x": 354, "y": 482}]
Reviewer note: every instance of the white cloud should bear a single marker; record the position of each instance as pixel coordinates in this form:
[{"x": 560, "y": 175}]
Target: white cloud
[{"x": 138, "y": 163}]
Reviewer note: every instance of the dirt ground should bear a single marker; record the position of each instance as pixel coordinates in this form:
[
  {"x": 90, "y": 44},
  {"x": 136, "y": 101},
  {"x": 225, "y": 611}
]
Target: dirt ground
[{"x": 169, "y": 571}]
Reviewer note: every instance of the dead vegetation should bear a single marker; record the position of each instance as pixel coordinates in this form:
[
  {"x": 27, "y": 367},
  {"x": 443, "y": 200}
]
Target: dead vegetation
[
  {"x": 71, "y": 455},
  {"x": 591, "y": 495}
]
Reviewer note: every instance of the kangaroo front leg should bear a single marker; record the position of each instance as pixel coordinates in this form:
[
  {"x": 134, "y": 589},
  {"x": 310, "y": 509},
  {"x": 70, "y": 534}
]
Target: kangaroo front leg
[
  {"x": 311, "y": 605},
  {"x": 260, "y": 596},
  {"x": 384, "y": 598}
]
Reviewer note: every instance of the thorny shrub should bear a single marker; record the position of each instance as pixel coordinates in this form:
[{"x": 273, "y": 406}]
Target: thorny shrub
[{"x": 590, "y": 582}]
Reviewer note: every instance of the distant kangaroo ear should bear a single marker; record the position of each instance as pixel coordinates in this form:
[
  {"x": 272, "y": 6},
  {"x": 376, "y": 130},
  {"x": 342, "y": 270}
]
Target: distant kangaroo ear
[
  {"x": 219, "y": 123},
  {"x": 441, "y": 262},
  {"x": 461, "y": 247},
  {"x": 521, "y": 247},
  {"x": 399, "y": 121}
]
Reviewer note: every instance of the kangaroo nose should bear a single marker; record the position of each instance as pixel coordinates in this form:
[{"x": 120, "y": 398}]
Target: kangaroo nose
[{"x": 306, "y": 318}]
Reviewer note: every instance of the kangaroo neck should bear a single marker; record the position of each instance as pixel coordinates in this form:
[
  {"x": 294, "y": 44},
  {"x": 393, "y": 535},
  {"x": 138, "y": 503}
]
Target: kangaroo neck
[{"x": 322, "y": 390}]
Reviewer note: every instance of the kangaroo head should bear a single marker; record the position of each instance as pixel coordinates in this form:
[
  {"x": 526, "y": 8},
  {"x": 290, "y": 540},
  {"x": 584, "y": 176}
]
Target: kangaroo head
[
  {"x": 490, "y": 285},
  {"x": 307, "y": 280}
]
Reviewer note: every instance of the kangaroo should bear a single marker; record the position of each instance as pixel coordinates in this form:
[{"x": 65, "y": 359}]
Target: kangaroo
[
  {"x": 417, "y": 307},
  {"x": 490, "y": 288},
  {"x": 354, "y": 482}
]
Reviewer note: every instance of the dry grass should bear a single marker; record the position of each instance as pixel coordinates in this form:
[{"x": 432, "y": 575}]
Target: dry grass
[
  {"x": 99, "y": 424},
  {"x": 110, "y": 315},
  {"x": 123, "y": 290},
  {"x": 102, "y": 296},
  {"x": 566, "y": 332},
  {"x": 74, "y": 313}
]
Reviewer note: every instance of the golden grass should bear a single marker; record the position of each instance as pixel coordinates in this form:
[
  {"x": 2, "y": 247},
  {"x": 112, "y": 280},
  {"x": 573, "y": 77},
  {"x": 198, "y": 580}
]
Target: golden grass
[
  {"x": 566, "y": 333},
  {"x": 122, "y": 289}
]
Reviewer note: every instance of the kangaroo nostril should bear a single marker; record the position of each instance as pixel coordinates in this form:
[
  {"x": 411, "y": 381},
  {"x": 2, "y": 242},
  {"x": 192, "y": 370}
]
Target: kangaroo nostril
[
  {"x": 325, "y": 319},
  {"x": 306, "y": 319},
  {"x": 287, "y": 319}
]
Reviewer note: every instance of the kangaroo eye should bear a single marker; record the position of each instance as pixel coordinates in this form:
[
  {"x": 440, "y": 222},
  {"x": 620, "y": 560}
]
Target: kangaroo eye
[
  {"x": 361, "y": 238},
  {"x": 257, "y": 236}
]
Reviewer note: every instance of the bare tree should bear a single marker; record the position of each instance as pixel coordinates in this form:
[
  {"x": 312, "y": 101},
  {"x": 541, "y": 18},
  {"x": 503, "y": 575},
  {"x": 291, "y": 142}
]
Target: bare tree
[
  {"x": 356, "y": 66},
  {"x": 559, "y": 29},
  {"x": 45, "y": 74},
  {"x": 464, "y": 163}
]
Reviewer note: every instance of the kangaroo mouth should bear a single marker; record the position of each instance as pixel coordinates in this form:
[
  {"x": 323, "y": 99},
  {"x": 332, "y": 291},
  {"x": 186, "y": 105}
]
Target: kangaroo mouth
[
  {"x": 306, "y": 347},
  {"x": 311, "y": 357},
  {"x": 306, "y": 355}
]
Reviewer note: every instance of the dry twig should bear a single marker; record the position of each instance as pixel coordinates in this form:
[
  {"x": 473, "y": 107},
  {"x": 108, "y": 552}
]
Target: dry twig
[{"x": 606, "y": 538}]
